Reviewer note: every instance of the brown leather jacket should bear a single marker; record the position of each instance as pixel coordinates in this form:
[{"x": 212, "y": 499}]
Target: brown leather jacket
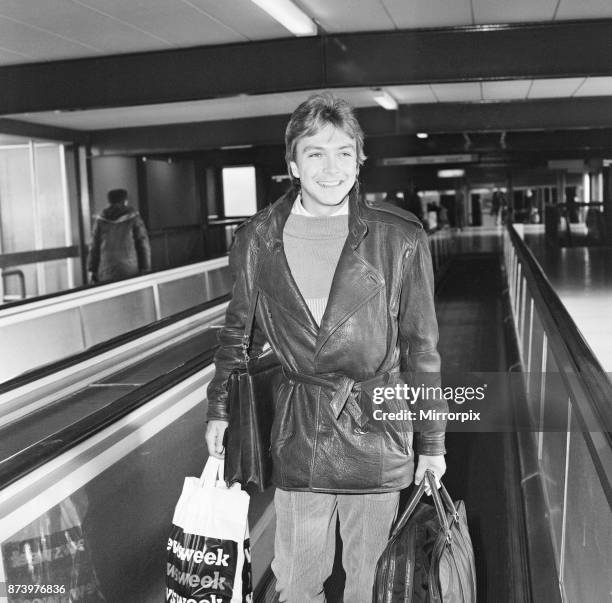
[{"x": 380, "y": 319}]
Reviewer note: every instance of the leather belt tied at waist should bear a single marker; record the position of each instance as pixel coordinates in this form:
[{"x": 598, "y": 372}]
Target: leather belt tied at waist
[{"x": 343, "y": 387}]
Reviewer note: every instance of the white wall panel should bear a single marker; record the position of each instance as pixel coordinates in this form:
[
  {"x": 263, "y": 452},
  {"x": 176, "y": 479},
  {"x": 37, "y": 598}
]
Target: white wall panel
[
  {"x": 595, "y": 86},
  {"x": 464, "y": 91},
  {"x": 505, "y": 90},
  {"x": 421, "y": 93},
  {"x": 555, "y": 87}
]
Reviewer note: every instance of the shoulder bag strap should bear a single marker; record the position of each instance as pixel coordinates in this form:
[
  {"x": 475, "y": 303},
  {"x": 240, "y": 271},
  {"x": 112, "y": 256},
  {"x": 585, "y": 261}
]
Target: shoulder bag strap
[{"x": 250, "y": 320}]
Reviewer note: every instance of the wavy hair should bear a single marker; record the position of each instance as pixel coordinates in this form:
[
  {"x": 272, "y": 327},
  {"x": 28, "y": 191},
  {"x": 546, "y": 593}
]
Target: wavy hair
[{"x": 316, "y": 112}]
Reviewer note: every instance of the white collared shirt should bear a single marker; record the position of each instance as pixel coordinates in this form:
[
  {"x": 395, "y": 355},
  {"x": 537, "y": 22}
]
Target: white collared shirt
[{"x": 299, "y": 209}]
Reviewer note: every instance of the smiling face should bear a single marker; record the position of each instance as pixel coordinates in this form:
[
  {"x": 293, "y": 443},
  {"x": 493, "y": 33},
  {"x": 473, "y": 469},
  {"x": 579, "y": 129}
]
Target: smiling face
[{"x": 326, "y": 165}]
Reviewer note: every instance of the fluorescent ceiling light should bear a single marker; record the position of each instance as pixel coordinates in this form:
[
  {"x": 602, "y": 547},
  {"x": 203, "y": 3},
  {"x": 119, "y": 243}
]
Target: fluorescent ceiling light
[
  {"x": 451, "y": 173},
  {"x": 422, "y": 135},
  {"x": 289, "y": 16},
  {"x": 384, "y": 99}
]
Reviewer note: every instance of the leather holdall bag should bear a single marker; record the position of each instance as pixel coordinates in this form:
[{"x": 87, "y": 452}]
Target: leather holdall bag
[
  {"x": 429, "y": 557},
  {"x": 251, "y": 412}
]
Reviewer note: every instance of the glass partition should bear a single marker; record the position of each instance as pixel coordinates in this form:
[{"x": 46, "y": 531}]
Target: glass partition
[
  {"x": 565, "y": 385},
  {"x": 35, "y": 223}
]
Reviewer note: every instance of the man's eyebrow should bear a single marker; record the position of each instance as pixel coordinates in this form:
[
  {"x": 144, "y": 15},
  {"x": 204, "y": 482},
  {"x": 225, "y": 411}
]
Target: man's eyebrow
[{"x": 312, "y": 147}]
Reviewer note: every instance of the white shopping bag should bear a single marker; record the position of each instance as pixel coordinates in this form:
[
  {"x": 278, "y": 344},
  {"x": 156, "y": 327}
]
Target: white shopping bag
[{"x": 208, "y": 547}]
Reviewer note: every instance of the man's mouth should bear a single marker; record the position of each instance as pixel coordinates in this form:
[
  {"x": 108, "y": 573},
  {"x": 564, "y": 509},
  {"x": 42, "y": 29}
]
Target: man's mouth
[{"x": 329, "y": 183}]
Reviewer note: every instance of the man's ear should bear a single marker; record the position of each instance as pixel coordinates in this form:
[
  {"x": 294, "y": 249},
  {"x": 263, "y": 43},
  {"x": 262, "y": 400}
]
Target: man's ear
[{"x": 294, "y": 169}]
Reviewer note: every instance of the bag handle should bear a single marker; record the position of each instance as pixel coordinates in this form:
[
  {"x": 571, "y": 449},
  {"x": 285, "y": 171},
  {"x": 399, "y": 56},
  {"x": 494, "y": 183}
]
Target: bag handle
[
  {"x": 410, "y": 507},
  {"x": 440, "y": 511},
  {"x": 448, "y": 501},
  {"x": 212, "y": 472},
  {"x": 430, "y": 480},
  {"x": 213, "y": 475}
]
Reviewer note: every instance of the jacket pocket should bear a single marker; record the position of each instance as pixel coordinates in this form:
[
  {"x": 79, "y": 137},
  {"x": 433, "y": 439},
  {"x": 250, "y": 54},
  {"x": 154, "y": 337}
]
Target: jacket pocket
[
  {"x": 283, "y": 427},
  {"x": 400, "y": 431}
]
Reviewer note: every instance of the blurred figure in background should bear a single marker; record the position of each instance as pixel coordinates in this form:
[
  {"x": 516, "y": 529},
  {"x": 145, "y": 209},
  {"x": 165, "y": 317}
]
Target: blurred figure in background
[
  {"x": 496, "y": 204},
  {"x": 460, "y": 209},
  {"x": 412, "y": 201},
  {"x": 120, "y": 243}
]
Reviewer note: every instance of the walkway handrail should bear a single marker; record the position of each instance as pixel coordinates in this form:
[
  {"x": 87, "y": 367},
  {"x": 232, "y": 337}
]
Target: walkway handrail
[
  {"x": 55, "y": 367},
  {"x": 79, "y": 295},
  {"x": 585, "y": 379},
  {"x": 52, "y": 446}
]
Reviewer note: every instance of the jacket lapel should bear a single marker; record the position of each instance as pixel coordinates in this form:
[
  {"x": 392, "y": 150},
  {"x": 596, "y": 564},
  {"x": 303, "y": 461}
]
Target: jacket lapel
[
  {"x": 275, "y": 278},
  {"x": 355, "y": 280}
]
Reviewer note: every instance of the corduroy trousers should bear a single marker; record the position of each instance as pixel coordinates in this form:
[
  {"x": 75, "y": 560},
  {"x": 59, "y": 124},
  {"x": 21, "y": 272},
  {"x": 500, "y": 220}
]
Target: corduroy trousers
[{"x": 305, "y": 542}]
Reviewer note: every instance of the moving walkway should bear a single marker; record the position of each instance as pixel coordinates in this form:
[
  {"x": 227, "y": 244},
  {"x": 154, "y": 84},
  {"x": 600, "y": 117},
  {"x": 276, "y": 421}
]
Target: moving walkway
[{"x": 104, "y": 438}]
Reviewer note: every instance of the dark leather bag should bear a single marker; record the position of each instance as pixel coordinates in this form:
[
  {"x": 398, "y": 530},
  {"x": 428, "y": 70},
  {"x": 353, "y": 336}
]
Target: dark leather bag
[
  {"x": 429, "y": 557},
  {"x": 251, "y": 412}
]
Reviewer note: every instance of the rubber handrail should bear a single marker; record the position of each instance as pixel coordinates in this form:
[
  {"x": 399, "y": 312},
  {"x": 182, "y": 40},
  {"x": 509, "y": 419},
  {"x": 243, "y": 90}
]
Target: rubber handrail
[
  {"x": 93, "y": 287},
  {"x": 105, "y": 346},
  {"x": 589, "y": 373},
  {"x": 53, "y": 445}
]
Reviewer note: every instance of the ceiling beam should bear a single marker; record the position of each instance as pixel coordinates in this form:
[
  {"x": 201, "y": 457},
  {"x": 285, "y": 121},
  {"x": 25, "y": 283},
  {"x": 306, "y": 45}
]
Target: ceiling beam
[
  {"x": 583, "y": 114},
  {"x": 15, "y": 127},
  {"x": 543, "y": 50}
]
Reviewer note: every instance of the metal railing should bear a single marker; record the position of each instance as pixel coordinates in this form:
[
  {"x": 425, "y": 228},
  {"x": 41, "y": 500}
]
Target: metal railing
[
  {"x": 564, "y": 379},
  {"x": 6, "y": 274}
]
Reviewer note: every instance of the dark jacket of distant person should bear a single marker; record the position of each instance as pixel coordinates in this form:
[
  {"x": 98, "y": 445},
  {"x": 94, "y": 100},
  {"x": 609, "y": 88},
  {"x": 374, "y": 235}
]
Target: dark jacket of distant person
[
  {"x": 120, "y": 245},
  {"x": 320, "y": 441}
]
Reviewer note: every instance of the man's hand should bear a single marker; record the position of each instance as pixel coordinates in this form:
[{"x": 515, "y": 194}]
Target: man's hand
[
  {"x": 214, "y": 438},
  {"x": 436, "y": 464}
]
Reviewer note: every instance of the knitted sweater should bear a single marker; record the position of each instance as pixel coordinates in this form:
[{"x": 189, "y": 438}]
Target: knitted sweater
[{"x": 312, "y": 246}]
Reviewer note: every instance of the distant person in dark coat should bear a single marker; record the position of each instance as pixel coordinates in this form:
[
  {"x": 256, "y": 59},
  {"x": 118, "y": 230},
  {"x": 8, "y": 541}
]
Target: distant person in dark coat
[{"x": 120, "y": 243}]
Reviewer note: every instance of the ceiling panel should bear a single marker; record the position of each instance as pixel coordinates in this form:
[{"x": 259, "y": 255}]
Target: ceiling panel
[
  {"x": 584, "y": 9},
  {"x": 31, "y": 30},
  {"x": 40, "y": 30},
  {"x": 464, "y": 91},
  {"x": 39, "y": 44},
  {"x": 195, "y": 111},
  {"x": 284, "y": 103},
  {"x": 178, "y": 23},
  {"x": 513, "y": 11},
  {"x": 555, "y": 87},
  {"x": 505, "y": 90},
  {"x": 243, "y": 17},
  {"x": 12, "y": 56},
  {"x": 406, "y": 95},
  {"x": 595, "y": 86},
  {"x": 429, "y": 13},
  {"x": 89, "y": 31},
  {"x": 349, "y": 15}
]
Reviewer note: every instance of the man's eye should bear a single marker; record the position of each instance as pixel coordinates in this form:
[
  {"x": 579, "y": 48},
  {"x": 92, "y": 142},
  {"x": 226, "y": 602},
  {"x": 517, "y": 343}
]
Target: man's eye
[
  {"x": 346, "y": 154},
  {"x": 316, "y": 155}
]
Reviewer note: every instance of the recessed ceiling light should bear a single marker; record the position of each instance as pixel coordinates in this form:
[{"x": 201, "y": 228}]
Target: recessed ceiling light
[
  {"x": 384, "y": 99},
  {"x": 422, "y": 135}
]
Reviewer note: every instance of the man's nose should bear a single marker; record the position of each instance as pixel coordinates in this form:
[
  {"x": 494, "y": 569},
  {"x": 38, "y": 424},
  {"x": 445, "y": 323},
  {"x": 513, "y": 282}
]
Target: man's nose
[{"x": 330, "y": 162}]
